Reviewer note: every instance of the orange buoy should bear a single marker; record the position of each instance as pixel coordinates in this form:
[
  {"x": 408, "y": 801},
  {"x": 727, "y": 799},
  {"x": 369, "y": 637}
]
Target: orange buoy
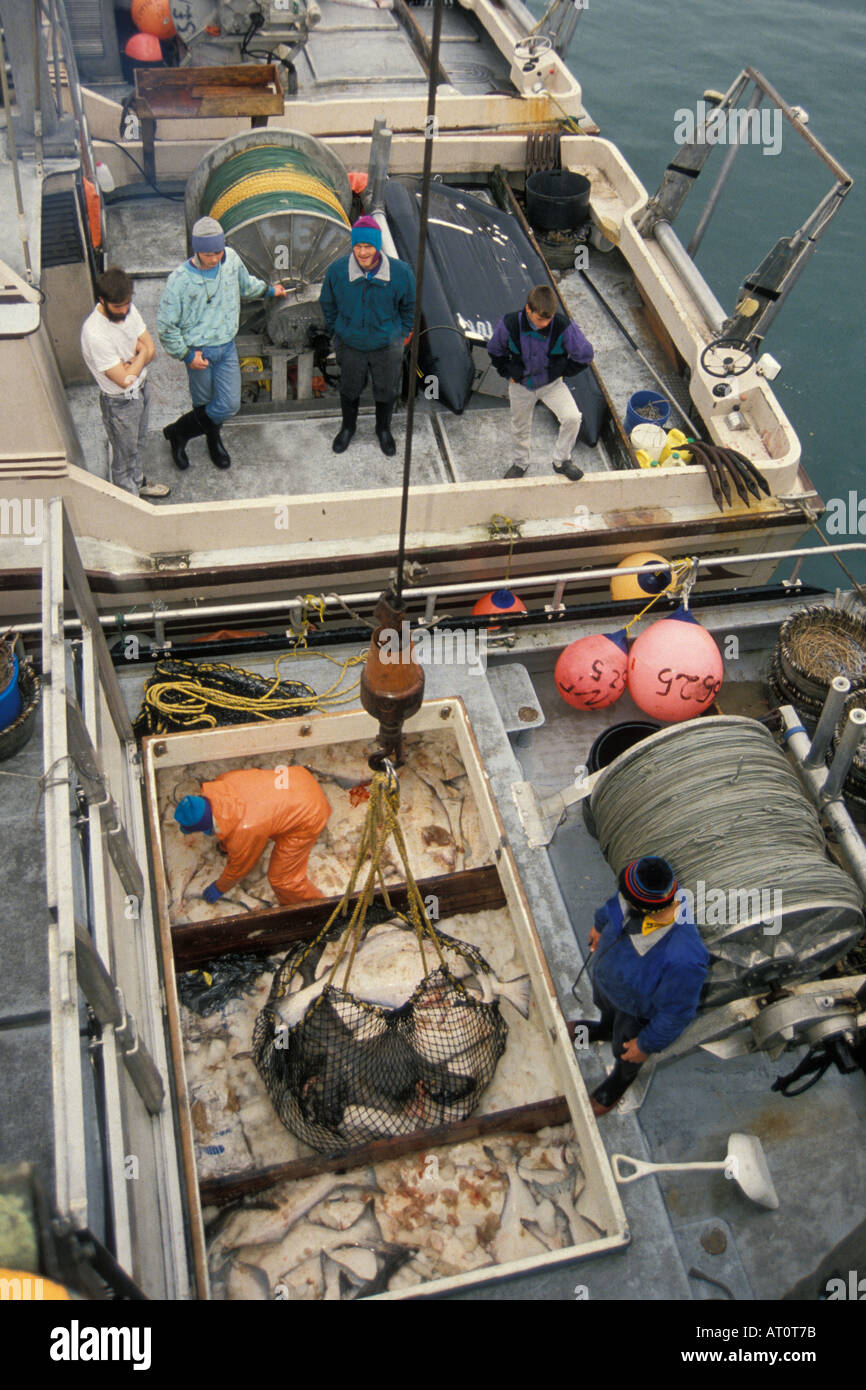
[
  {"x": 143, "y": 48},
  {"x": 94, "y": 213},
  {"x": 640, "y": 586},
  {"x": 153, "y": 17},
  {"x": 499, "y": 601},
  {"x": 591, "y": 672},
  {"x": 675, "y": 669}
]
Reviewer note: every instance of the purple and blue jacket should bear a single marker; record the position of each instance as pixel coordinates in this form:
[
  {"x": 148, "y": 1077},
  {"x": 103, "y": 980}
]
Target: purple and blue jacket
[{"x": 521, "y": 353}]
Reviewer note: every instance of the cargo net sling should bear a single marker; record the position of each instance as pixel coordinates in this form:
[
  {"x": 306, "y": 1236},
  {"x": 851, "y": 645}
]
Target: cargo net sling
[{"x": 370, "y": 1030}]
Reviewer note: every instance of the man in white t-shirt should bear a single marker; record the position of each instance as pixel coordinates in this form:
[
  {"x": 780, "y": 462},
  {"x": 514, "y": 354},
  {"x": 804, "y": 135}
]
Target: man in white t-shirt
[{"x": 117, "y": 347}]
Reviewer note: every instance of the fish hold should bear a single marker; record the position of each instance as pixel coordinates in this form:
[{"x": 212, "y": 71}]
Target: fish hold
[{"x": 388, "y": 968}]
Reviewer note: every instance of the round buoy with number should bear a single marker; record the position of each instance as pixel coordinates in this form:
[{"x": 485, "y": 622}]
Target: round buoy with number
[
  {"x": 153, "y": 17},
  {"x": 640, "y": 586},
  {"x": 675, "y": 669},
  {"x": 591, "y": 672}
]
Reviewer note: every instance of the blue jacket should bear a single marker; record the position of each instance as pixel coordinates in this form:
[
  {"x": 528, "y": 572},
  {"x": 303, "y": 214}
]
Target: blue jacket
[
  {"x": 202, "y": 309},
  {"x": 663, "y": 986},
  {"x": 367, "y": 312},
  {"x": 522, "y": 353}
]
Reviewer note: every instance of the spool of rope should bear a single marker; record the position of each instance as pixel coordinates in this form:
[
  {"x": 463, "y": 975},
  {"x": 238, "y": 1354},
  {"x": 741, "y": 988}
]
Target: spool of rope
[
  {"x": 282, "y": 198},
  {"x": 720, "y": 802},
  {"x": 269, "y": 179}
]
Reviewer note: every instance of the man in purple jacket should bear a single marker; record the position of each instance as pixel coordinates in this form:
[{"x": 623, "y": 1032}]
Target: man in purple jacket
[{"x": 534, "y": 349}]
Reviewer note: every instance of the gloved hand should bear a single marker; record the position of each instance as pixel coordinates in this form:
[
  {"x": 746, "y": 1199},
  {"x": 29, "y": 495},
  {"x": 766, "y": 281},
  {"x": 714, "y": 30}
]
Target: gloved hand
[{"x": 212, "y": 894}]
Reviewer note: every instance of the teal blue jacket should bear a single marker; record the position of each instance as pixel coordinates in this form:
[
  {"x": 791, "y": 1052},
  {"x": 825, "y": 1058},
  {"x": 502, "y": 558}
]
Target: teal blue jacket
[
  {"x": 199, "y": 310},
  {"x": 367, "y": 312}
]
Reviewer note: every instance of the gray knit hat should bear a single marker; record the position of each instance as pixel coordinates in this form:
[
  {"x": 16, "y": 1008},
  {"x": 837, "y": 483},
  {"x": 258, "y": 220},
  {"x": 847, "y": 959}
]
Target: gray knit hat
[{"x": 208, "y": 235}]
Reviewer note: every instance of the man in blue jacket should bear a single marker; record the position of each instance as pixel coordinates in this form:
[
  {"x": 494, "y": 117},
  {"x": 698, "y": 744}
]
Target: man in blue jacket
[
  {"x": 650, "y": 967},
  {"x": 197, "y": 322},
  {"x": 368, "y": 301},
  {"x": 534, "y": 349}
]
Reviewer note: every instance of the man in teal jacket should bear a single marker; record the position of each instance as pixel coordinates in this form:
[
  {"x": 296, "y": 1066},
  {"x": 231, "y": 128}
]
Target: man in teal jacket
[
  {"x": 650, "y": 967},
  {"x": 368, "y": 301},
  {"x": 197, "y": 322}
]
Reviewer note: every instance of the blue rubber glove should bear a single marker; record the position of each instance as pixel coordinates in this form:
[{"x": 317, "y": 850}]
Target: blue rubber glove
[{"x": 212, "y": 894}]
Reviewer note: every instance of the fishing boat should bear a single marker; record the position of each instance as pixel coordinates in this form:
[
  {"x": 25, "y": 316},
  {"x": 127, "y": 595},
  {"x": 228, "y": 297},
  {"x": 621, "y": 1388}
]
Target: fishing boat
[{"x": 114, "y": 1129}]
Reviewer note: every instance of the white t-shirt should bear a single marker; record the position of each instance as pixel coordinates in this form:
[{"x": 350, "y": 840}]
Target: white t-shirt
[{"x": 105, "y": 344}]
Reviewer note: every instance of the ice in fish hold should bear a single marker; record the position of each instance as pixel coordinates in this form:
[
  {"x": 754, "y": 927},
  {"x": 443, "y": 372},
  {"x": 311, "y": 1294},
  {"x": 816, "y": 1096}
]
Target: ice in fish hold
[{"x": 388, "y": 968}]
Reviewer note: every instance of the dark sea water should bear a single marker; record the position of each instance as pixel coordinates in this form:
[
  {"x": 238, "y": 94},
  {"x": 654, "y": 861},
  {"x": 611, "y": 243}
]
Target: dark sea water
[{"x": 639, "y": 63}]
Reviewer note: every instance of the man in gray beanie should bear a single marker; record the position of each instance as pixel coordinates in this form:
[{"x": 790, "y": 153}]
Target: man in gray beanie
[{"x": 197, "y": 323}]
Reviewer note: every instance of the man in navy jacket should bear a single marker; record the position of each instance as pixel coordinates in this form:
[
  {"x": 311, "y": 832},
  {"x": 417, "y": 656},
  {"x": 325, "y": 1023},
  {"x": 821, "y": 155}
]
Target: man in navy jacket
[
  {"x": 534, "y": 349},
  {"x": 649, "y": 969},
  {"x": 368, "y": 301}
]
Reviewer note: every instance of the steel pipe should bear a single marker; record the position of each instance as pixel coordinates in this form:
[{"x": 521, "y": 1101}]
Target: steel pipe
[
  {"x": 478, "y": 586},
  {"x": 848, "y": 745},
  {"x": 834, "y": 812},
  {"x": 839, "y": 688},
  {"x": 690, "y": 275}
]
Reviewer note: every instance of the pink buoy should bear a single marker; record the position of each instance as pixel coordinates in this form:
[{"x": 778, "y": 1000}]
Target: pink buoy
[
  {"x": 675, "y": 669},
  {"x": 591, "y": 672}
]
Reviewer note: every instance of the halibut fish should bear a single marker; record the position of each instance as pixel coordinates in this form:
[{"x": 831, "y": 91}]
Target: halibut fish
[{"x": 388, "y": 968}]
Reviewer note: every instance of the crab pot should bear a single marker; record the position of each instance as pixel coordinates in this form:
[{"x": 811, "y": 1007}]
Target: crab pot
[{"x": 474, "y": 893}]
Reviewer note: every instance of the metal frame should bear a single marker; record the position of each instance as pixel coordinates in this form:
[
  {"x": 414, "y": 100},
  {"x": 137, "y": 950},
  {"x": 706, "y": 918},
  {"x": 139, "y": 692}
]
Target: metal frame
[
  {"x": 98, "y": 951},
  {"x": 765, "y": 290}
]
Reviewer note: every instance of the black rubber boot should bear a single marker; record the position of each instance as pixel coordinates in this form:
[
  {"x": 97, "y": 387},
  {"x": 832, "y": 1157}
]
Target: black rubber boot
[
  {"x": 611, "y": 1090},
  {"x": 383, "y": 427},
  {"x": 179, "y": 434},
  {"x": 350, "y": 420},
  {"x": 219, "y": 454}
]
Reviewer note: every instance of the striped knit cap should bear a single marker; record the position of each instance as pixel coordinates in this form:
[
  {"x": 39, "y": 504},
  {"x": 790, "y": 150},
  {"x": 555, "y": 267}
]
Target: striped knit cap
[{"x": 648, "y": 884}]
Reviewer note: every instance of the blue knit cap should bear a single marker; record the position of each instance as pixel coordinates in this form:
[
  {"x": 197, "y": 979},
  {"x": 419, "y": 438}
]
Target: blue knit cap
[
  {"x": 366, "y": 229},
  {"x": 193, "y": 813}
]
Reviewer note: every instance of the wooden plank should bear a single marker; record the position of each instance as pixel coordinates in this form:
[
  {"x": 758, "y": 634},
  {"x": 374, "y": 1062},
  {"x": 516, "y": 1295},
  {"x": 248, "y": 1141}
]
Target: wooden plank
[
  {"x": 241, "y": 90},
  {"x": 471, "y": 890},
  {"x": 520, "y": 1119}
]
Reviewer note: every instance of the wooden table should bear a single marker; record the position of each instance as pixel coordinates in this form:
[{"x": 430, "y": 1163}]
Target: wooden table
[{"x": 247, "y": 89}]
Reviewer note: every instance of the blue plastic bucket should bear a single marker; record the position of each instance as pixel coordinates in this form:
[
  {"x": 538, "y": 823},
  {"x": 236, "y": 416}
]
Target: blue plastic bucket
[
  {"x": 638, "y": 403},
  {"x": 10, "y": 698}
]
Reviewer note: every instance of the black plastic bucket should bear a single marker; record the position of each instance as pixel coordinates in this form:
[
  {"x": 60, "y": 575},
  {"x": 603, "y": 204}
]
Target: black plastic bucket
[
  {"x": 557, "y": 200},
  {"x": 619, "y": 738}
]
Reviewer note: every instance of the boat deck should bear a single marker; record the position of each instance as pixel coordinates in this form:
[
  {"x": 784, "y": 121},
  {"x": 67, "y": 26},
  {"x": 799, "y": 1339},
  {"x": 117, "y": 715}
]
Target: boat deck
[
  {"x": 289, "y": 452},
  {"x": 678, "y": 1223}
]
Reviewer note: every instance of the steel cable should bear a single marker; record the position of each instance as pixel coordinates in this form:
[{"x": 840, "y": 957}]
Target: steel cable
[{"x": 718, "y": 799}]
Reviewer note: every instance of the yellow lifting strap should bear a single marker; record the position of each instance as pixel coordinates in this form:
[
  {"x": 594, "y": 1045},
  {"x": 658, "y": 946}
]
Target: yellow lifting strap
[{"x": 382, "y": 823}]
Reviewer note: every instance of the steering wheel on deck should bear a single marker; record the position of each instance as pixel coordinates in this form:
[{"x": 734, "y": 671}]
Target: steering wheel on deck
[
  {"x": 727, "y": 357},
  {"x": 530, "y": 49}
]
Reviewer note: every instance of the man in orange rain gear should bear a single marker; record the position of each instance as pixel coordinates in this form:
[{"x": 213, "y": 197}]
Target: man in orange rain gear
[{"x": 245, "y": 809}]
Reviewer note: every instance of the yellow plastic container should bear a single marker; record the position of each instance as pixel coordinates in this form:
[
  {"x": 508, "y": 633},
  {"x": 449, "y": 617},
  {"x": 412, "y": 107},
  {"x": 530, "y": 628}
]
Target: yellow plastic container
[{"x": 675, "y": 440}]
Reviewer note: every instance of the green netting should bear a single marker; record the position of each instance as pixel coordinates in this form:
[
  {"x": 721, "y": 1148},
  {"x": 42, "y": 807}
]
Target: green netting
[
  {"x": 264, "y": 203},
  {"x": 256, "y": 160},
  {"x": 259, "y": 180}
]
